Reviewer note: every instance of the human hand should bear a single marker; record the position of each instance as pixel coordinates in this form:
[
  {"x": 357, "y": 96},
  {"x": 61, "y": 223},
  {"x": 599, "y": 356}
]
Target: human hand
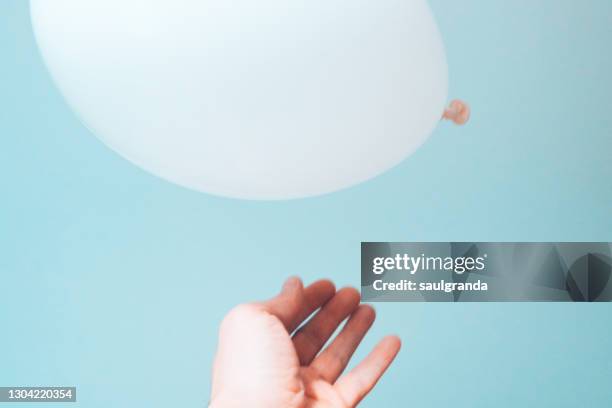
[{"x": 263, "y": 362}]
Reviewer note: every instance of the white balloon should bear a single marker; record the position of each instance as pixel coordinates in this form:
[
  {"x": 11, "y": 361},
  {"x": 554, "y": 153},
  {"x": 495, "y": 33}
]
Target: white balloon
[{"x": 258, "y": 99}]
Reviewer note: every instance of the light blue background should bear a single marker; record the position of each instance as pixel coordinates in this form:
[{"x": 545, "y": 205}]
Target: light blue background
[{"x": 115, "y": 281}]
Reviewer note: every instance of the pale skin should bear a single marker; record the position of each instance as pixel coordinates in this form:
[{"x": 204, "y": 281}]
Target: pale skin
[{"x": 270, "y": 355}]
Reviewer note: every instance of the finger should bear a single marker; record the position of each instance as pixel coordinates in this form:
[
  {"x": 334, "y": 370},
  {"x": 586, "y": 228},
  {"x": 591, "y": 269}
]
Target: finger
[
  {"x": 359, "y": 382},
  {"x": 295, "y": 303},
  {"x": 333, "y": 360},
  {"x": 286, "y": 305},
  {"x": 311, "y": 337},
  {"x": 315, "y": 296}
]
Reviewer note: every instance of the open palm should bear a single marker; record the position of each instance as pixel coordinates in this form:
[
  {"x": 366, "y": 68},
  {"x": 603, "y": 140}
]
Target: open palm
[{"x": 263, "y": 361}]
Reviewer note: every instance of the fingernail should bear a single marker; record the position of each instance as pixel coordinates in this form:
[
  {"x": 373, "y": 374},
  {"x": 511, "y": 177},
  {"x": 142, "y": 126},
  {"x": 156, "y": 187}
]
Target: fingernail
[{"x": 291, "y": 283}]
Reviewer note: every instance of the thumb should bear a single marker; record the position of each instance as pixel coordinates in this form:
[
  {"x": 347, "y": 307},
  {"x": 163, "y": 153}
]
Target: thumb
[{"x": 287, "y": 304}]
